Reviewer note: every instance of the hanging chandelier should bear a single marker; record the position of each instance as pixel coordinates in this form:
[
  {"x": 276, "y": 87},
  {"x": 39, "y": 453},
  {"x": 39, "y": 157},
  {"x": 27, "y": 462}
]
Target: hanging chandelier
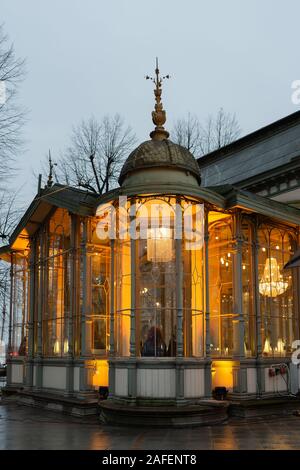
[
  {"x": 272, "y": 283},
  {"x": 159, "y": 245}
]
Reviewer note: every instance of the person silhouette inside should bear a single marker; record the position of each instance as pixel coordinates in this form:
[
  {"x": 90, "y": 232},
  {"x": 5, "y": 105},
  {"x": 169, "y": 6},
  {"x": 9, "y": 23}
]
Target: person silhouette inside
[
  {"x": 154, "y": 346},
  {"x": 172, "y": 346}
]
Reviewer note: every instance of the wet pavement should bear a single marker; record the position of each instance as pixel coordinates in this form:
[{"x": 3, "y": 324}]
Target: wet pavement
[{"x": 29, "y": 428}]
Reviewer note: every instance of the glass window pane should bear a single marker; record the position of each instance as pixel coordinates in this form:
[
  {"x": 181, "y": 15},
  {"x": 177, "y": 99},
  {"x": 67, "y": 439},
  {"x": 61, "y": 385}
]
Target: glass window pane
[
  {"x": 248, "y": 282},
  {"x": 276, "y": 288},
  {"x": 220, "y": 284},
  {"x": 57, "y": 281}
]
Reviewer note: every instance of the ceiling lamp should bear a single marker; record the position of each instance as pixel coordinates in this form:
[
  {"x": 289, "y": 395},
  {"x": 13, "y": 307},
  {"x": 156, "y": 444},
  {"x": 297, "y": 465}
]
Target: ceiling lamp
[
  {"x": 159, "y": 245},
  {"x": 272, "y": 283}
]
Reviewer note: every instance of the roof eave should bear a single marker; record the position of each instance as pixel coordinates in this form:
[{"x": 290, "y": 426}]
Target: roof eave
[
  {"x": 272, "y": 209},
  {"x": 83, "y": 205}
]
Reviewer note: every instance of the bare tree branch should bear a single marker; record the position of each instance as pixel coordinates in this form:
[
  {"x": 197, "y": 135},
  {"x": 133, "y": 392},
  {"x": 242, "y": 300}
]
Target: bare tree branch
[
  {"x": 10, "y": 212},
  {"x": 12, "y": 115},
  {"x": 95, "y": 155},
  {"x": 201, "y": 139},
  {"x": 12, "y": 120}
]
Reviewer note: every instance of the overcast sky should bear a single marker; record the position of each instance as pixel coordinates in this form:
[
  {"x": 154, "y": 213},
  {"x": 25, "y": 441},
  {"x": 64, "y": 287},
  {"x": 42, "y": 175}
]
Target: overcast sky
[{"x": 90, "y": 57}]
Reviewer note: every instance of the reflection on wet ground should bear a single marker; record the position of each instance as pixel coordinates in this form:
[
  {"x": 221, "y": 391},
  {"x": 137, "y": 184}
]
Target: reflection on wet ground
[{"x": 28, "y": 428}]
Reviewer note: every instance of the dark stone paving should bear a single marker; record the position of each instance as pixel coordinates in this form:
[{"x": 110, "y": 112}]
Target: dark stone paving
[{"x": 28, "y": 428}]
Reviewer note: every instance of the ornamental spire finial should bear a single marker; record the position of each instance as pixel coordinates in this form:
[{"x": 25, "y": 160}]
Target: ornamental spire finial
[
  {"x": 50, "y": 175},
  {"x": 159, "y": 115}
]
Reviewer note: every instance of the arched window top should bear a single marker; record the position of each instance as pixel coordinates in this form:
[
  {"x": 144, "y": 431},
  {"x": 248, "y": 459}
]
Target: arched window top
[
  {"x": 276, "y": 239},
  {"x": 220, "y": 227},
  {"x": 60, "y": 229}
]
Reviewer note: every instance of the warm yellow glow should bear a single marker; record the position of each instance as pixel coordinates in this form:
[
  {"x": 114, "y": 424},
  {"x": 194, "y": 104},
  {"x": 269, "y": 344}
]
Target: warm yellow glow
[
  {"x": 66, "y": 346},
  {"x": 59, "y": 297},
  {"x": 21, "y": 242},
  {"x": 56, "y": 347},
  {"x": 214, "y": 216},
  {"x": 100, "y": 376},
  {"x": 222, "y": 375},
  {"x": 267, "y": 346},
  {"x": 279, "y": 349},
  {"x": 272, "y": 283},
  {"x": 125, "y": 300},
  {"x": 106, "y": 223},
  {"x": 159, "y": 244},
  {"x": 280, "y": 346},
  {"x": 197, "y": 303}
]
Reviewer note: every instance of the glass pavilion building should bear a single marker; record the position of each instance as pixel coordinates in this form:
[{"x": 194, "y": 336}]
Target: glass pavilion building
[{"x": 160, "y": 290}]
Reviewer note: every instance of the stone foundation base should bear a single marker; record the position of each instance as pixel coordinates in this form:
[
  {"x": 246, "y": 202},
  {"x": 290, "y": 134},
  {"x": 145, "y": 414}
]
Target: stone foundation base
[
  {"x": 10, "y": 390},
  {"x": 263, "y": 407},
  {"x": 207, "y": 412},
  {"x": 69, "y": 405}
]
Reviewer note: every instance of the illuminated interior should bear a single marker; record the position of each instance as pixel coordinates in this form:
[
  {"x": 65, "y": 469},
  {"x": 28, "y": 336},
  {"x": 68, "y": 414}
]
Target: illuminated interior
[
  {"x": 248, "y": 282},
  {"x": 155, "y": 302},
  {"x": 20, "y": 305},
  {"x": 222, "y": 374},
  {"x": 73, "y": 279},
  {"x": 277, "y": 291},
  {"x": 221, "y": 257},
  {"x": 97, "y": 293},
  {"x": 56, "y": 256},
  {"x": 123, "y": 297},
  {"x": 100, "y": 373}
]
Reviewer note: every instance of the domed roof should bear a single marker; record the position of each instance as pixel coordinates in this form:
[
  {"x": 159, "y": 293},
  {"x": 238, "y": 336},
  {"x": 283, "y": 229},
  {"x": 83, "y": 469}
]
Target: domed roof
[{"x": 160, "y": 153}]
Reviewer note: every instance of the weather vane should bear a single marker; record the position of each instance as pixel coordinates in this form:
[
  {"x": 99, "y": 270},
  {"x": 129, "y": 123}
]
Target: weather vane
[{"x": 159, "y": 115}]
